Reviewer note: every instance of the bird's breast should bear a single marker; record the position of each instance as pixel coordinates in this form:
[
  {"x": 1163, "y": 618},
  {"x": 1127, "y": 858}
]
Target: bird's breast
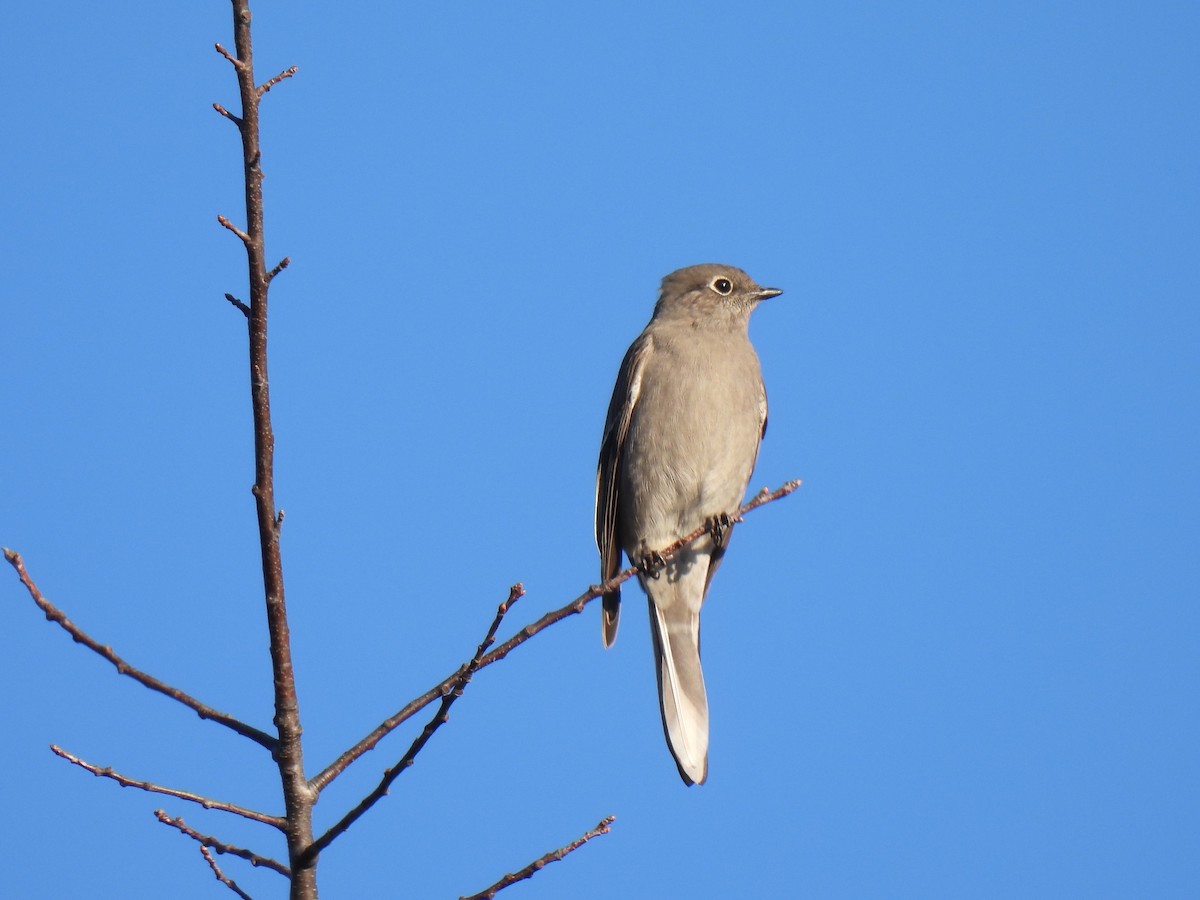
[{"x": 693, "y": 438}]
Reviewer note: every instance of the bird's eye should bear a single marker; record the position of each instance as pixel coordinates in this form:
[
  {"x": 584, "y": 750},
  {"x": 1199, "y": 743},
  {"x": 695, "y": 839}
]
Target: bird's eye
[{"x": 722, "y": 286}]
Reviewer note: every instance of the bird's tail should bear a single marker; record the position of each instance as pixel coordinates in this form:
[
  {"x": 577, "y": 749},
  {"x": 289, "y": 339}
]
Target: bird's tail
[
  {"x": 681, "y": 696},
  {"x": 611, "y": 616}
]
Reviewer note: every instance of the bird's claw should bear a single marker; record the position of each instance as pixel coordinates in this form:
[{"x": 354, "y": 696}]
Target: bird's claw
[
  {"x": 651, "y": 563},
  {"x": 718, "y": 527}
]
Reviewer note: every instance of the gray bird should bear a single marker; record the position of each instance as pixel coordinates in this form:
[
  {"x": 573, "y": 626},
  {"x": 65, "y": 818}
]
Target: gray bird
[{"x": 686, "y": 417}]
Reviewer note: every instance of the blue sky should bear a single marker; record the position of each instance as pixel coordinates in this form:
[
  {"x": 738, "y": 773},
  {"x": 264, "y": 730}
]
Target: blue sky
[{"x": 960, "y": 661}]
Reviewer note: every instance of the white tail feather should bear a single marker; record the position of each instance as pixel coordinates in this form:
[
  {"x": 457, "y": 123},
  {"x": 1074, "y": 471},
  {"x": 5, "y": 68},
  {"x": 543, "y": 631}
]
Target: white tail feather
[{"x": 682, "y": 698}]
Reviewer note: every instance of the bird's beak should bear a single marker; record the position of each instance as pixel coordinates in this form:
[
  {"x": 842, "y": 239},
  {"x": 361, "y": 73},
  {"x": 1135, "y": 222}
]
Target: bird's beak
[{"x": 767, "y": 293}]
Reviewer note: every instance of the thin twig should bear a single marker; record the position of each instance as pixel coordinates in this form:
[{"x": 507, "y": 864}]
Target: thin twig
[
  {"x": 541, "y": 862},
  {"x": 461, "y": 678},
  {"x": 236, "y": 120},
  {"x": 206, "y": 802},
  {"x": 221, "y": 876},
  {"x": 267, "y": 85},
  {"x": 339, "y": 765},
  {"x": 220, "y": 846},
  {"x": 283, "y": 264},
  {"x": 239, "y": 304},
  {"x": 245, "y": 238},
  {"x": 237, "y": 63},
  {"x": 54, "y": 614}
]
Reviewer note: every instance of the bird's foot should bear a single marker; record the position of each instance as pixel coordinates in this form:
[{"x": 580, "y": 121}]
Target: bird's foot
[
  {"x": 651, "y": 563},
  {"x": 718, "y": 526}
]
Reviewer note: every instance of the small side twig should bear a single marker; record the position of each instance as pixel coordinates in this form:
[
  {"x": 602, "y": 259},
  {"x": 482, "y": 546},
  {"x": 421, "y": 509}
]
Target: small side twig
[
  {"x": 206, "y": 802},
  {"x": 239, "y": 304},
  {"x": 339, "y": 765},
  {"x": 455, "y": 690},
  {"x": 237, "y": 63},
  {"x": 267, "y": 85},
  {"x": 236, "y": 120},
  {"x": 54, "y": 614},
  {"x": 245, "y": 238},
  {"x": 206, "y": 840},
  {"x": 283, "y": 264},
  {"x": 541, "y": 862},
  {"x": 221, "y": 876}
]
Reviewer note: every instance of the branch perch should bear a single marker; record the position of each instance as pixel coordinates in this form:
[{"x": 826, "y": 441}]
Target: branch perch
[{"x": 339, "y": 765}]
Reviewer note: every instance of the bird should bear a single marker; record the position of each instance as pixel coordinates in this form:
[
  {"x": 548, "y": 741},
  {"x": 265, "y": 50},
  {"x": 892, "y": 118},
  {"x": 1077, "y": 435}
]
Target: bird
[{"x": 681, "y": 439}]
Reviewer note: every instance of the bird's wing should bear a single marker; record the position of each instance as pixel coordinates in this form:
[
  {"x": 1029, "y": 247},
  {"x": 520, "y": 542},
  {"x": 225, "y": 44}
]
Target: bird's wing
[
  {"x": 762, "y": 412},
  {"x": 762, "y": 416},
  {"x": 608, "y": 473}
]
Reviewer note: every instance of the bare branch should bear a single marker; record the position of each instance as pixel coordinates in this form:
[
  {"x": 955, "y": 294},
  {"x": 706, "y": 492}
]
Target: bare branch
[
  {"x": 221, "y": 876},
  {"x": 236, "y": 120},
  {"x": 264, "y": 438},
  {"x": 298, "y": 798},
  {"x": 220, "y": 846},
  {"x": 541, "y": 862},
  {"x": 206, "y": 802},
  {"x": 54, "y": 614},
  {"x": 283, "y": 264},
  {"x": 765, "y": 496},
  {"x": 575, "y": 606},
  {"x": 242, "y": 236},
  {"x": 286, "y": 73},
  {"x": 453, "y": 692},
  {"x": 239, "y": 304},
  {"x": 237, "y": 63}
]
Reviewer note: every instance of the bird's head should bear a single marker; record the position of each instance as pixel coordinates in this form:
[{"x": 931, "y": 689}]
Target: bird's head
[{"x": 710, "y": 292}]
